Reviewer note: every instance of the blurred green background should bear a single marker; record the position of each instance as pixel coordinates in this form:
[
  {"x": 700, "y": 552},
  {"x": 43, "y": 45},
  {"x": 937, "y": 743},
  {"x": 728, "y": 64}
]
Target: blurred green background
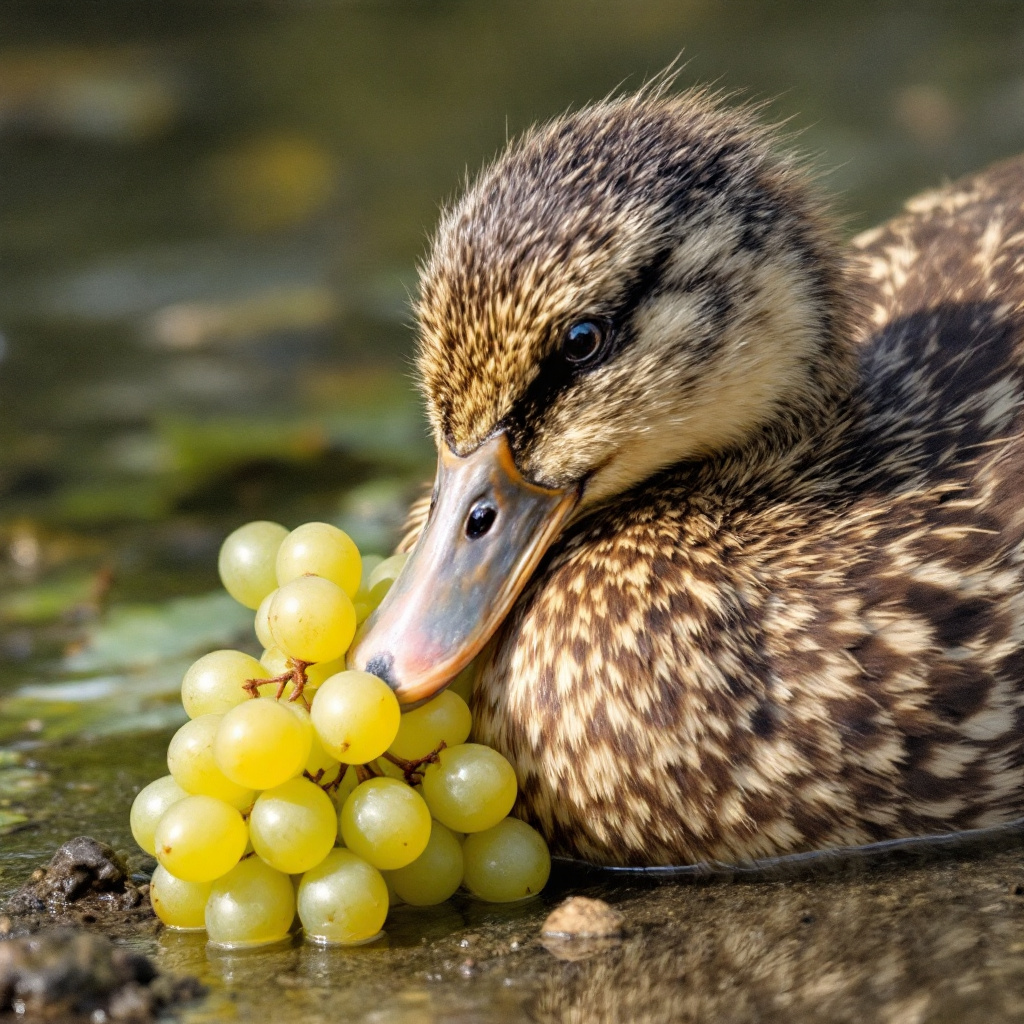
[{"x": 210, "y": 217}]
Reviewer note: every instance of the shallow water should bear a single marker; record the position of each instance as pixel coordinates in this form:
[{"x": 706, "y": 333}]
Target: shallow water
[{"x": 209, "y": 222}]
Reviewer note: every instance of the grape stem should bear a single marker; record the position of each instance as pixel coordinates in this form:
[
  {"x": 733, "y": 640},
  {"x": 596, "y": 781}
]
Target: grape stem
[
  {"x": 413, "y": 770},
  {"x": 329, "y": 787},
  {"x": 296, "y": 674}
]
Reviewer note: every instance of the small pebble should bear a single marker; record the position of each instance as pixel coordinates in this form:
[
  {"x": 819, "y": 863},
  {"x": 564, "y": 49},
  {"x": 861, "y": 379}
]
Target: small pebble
[{"x": 581, "y": 917}]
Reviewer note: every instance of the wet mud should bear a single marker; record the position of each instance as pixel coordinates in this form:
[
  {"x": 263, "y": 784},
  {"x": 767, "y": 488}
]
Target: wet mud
[
  {"x": 68, "y": 975},
  {"x": 86, "y": 884}
]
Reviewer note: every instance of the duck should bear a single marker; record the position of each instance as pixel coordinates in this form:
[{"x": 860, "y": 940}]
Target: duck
[{"x": 728, "y": 519}]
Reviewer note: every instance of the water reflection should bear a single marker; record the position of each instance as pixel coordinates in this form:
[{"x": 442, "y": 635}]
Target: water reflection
[{"x": 941, "y": 943}]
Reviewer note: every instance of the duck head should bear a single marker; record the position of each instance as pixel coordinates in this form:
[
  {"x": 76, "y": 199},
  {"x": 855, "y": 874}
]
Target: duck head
[{"x": 632, "y": 286}]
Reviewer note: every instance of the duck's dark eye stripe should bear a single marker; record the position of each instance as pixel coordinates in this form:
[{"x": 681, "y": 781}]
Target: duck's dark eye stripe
[
  {"x": 644, "y": 284},
  {"x": 556, "y": 373}
]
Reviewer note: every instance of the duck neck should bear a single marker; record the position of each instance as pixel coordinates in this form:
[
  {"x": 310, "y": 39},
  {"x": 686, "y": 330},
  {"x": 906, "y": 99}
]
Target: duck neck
[{"x": 809, "y": 425}]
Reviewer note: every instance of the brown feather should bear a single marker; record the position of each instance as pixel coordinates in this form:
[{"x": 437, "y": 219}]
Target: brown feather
[{"x": 790, "y": 615}]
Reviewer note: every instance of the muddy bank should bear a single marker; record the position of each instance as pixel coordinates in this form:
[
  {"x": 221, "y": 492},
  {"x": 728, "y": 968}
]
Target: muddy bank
[
  {"x": 57, "y": 960},
  {"x": 66, "y": 975},
  {"x": 941, "y": 940},
  {"x": 85, "y": 885}
]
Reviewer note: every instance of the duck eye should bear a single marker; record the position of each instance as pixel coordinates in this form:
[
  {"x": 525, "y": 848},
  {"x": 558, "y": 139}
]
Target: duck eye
[{"x": 584, "y": 341}]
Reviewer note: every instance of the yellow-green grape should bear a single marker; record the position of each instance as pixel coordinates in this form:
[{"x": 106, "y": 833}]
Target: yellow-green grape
[
  {"x": 389, "y": 569},
  {"x": 320, "y": 549},
  {"x": 391, "y": 770},
  {"x": 378, "y": 592},
  {"x": 262, "y": 743},
  {"x": 178, "y": 904},
  {"x": 348, "y": 784},
  {"x": 370, "y": 562},
  {"x": 444, "y": 719},
  {"x": 462, "y": 684},
  {"x": 507, "y": 862},
  {"x": 200, "y": 838},
  {"x": 385, "y": 822},
  {"x": 148, "y": 808},
  {"x": 320, "y": 761},
  {"x": 435, "y": 874},
  {"x": 342, "y": 900},
  {"x": 190, "y": 761},
  {"x": 318, "y": 674},
  {"x": 312, "y": 619},
  {"x": 472, "y": 787},
  {"x": 356, "y": 716},
  {"x": 275, "y": 661},
  {"x": 262, "y": 622},
  {"x": 252, "y": 905},
  {"x": 247, "y": 561},
  {"x": 293, "y": 826},
  {"x": 214, "y": 683}
]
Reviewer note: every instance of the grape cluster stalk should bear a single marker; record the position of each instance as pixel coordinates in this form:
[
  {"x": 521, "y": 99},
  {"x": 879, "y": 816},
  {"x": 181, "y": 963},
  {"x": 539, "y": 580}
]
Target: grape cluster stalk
[{"x": 298, "y": 795}]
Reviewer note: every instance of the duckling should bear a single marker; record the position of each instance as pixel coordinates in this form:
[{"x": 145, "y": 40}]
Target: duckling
[{"x": 728, "y": 512}]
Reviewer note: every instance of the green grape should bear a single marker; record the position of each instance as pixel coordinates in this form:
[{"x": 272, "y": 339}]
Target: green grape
[
  {"x": 349, "y": 782},
  {"x": 318, "y": 674},
  {"x": 370, "y": 562},
  {"x": 445, "y": 719},
  {"x": 178, "y": 904},
  {"x": 293, "y": 826},
  {"x": 366, "y": 602},
  {"x": 391, "y": 770},
  {"x": 386, "y": 823},
  {"x": 356, "y": 716},
  {"x": 342, "y": 900},
  {"x": 389, "y": 569},
  {"x": 252, "y": 905},
  {"x": 507, "y": 862},
  {"x": 320, "y": 761},
  {"x": 200, "y": 838},
  {"x": 312, "y": 619},
  {"x": 148, "y": 808},
  {"x": 435, "y": 874},
  {"x": 262, "y": 743},
  {"x": 275, "y": 661},
  {"x": 471, "y": 788},
  {"x": 190, "y": 761},
  {"x": 262, "y": 622},
  {"x": 462, "y": 684},
  {"x": 378, "y": 592},
  {"x": 319, "y": 549},
  {"x": 214, "y": 683},
  {"x": 247, "y": 561}
]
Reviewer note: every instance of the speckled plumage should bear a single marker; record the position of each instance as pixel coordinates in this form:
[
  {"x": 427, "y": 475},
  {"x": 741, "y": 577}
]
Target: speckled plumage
[{"x": 789, "y": 613}]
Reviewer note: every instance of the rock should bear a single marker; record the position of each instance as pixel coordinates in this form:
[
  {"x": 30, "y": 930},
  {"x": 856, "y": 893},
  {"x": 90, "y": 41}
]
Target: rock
[
  {"x": 580, "y": 917},
  {"x": 85, "y": 883},
  {"x": 82, "y": 866},
  {"x": 63, "y": 973},
  {"x": 581, "y": 928}
]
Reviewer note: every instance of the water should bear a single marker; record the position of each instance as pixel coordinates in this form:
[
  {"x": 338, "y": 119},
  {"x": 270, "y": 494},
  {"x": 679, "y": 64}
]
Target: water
[{"x": 209, "y": 223}]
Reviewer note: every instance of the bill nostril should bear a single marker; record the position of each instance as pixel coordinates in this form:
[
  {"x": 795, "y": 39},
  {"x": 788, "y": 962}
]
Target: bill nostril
[{"x": 481, "y": 519}]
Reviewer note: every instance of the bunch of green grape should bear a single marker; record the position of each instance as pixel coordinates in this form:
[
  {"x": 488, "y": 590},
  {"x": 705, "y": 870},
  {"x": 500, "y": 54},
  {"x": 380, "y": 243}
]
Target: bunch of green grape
[{"x": 298, "y": 788}]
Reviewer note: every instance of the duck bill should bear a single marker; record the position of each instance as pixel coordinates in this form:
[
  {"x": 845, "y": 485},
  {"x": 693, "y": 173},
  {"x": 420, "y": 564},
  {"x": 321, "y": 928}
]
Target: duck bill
[{"x": 488, "y": 529}]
